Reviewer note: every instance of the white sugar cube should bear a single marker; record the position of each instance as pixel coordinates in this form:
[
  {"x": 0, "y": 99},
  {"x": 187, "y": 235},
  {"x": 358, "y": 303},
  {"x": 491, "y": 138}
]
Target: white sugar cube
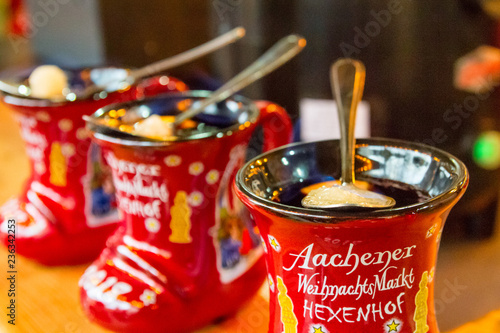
[
  {"x": 154, "y": 127},
  {"x": 48, "y": 81}
]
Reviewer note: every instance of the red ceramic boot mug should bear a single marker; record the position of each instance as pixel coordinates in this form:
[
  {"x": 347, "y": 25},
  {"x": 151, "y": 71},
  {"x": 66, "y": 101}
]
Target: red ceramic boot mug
[
  {"x": 352, "y": 271},
  {"x": 188, "y": 253},
  {"x": 67, "y": 208}
]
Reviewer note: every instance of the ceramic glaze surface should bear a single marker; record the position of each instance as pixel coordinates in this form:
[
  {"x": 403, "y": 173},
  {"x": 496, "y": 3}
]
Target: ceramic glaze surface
[
  {"x": 188, "y": 252},
  {"x": 68, "y": 207},
  {"x": 352, "y": 271}
]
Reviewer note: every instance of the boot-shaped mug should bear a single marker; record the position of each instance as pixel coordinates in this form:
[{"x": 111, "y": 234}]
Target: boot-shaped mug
[
  {"x": 366, "y": 271},
  {"x": 67, "y": 208},
  {"x": 188, "y": 254}
]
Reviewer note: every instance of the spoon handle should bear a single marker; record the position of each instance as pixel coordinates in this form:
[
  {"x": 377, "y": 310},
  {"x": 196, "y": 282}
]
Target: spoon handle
[
  {"x": 348, "y": 77},
  {"x": 284, "y": 50},
  {"x": 190, "y": 55},
  {"x": 177, "y": 60},
  {"x": 9, "y": 88}
]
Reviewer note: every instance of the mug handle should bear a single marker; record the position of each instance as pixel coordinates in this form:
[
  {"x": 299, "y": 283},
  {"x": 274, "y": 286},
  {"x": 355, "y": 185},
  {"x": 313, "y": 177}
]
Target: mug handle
[{"x": 276, "y": 125}]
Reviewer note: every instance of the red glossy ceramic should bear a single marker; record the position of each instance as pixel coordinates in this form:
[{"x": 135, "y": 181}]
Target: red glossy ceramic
[
  {"x": 188, "y": 253},
  {"x": 351, "y": 271},
  {"x": 67, "y": 208}
]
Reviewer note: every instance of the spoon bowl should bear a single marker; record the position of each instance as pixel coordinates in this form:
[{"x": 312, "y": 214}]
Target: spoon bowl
[
  {"x": 346, "y": 196},
  {"x": 348, "y": 79}
]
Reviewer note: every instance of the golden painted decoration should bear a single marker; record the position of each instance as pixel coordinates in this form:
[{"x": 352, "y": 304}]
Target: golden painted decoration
[
  {"x": 58, "y": 166},
  {"x": 181, "y": 220},
  {"x": 421, "y": 308},
  {"x": 288, "y": 317}
]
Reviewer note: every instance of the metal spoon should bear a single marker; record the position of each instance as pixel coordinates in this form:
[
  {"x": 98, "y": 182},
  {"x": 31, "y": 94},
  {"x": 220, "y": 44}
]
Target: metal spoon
[
  {"x": 284, "y": 50},
  {"x": 348, "y": 79},
  {"x": 129, "y": 77}
]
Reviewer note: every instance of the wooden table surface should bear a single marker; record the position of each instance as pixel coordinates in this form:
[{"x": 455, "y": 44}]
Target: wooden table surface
[{"x": 47, "y": 298}]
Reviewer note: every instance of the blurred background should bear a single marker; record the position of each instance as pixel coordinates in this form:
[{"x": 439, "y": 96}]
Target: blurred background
[{"x": 410, "y": 48}]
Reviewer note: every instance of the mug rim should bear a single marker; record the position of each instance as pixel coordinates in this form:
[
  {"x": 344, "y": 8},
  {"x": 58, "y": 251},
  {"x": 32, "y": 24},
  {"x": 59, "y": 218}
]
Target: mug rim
[
  {"x": 34, "y": 102},
  {"x": 302, "y": 214},
  {"x": 218, "y": 133}
]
